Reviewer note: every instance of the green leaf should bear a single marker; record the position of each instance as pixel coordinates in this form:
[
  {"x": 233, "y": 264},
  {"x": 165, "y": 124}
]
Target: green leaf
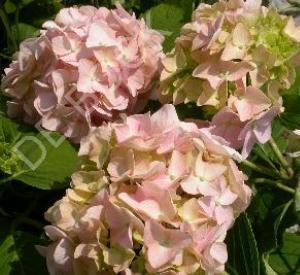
[
  {"x": 291, "y": 96},
  {"x": 280, "y": 218},
  {"x": 271, "y": 212},
  {"x": 243, "y": 254},
  {"x": 279, "y": 134},
  {"x": 192, "y": 111},
  {"x": 36, "y": 12},
  {"x": 11, "y": 5},
  {"x": 268, "y": 269},
  {"x": 291, "y": 120},
  {"x": 9, "y": 130},
  {"x": 22, "y": 31},
  {"x": 9, "y": 161},
  {"x": 286, "y": 260},
  {"x": 18, "y": 255},
  {"x": 45, "y": 160},
  {"x": 168, "y": 18},
  {"x": 291, "y": 99},
  {"x": 57, "y": 164},
  {"x": 128, "y": 4},
  {"x": 231, "y": 270}
]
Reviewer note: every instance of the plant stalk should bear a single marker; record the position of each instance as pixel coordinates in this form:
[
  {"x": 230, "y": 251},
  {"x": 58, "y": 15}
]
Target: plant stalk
[
  {"x": 260, "y": 169},
  {"x": 281, "y": 158},
  {"x": 6, "y": 24},
  {"x": 276, "y": 184}
]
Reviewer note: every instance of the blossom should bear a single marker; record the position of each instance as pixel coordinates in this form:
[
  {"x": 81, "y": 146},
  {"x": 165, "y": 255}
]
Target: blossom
[
  {"x": 249, "y": 103},
  {"x": 87, "y": 66},
  {"x": 59, "y": 254},
  {"x": 236, "y": 56},
  {"x": 218, "y": 72},
  {"x": 163, "y": 244},
  {"x": 204, "y": 174},
  {"x": 153, "y": 194},
  {"x": 258, "y": 130},
  {"x": 226, "y": 123},
  {"x": 238, "y": 45}
]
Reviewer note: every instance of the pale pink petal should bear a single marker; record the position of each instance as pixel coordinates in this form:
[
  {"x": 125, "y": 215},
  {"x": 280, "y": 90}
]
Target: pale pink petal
[{"x": 219, "y": 252}]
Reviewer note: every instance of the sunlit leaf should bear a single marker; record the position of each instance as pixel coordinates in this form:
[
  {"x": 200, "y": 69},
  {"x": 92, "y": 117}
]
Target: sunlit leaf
[
  {"x": 168, "y": 18},
  {"x": 286, "y": 260},
  {"x": 46, "y": 160}
]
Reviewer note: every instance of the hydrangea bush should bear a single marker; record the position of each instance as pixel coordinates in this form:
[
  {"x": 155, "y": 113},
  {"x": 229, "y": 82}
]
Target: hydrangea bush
[{"x": 150, "y": 161}]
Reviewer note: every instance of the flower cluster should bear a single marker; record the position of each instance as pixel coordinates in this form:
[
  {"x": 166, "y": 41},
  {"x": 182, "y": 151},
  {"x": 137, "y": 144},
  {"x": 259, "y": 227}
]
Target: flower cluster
[
  {"x": 87, "y": 66},
  {"x": 234, "y": 54},
  {"x": 154, "y": 195}
]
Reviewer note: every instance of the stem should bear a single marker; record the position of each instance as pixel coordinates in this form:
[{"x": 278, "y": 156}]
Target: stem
[
  {"x": 260, "y": 169},
  {"x": 4, "y": 213},
  {"x": 25, "y": 220},
  {"x": 17, "y": 13},
  {"x": 32, "y": 223},
  {"x": 276, "y": 184},
  {"x": 281, "y": 158},
  {"x": 7, "y": 27},
  {"x": 289, "y": 10},
  {"x": 5, "y": 56},
  {"x": 262, "y": 148},
  {"x": 294, "y": 3},
  {"x": 23, "y": 216},
  {"x": 12, "y": 177}
]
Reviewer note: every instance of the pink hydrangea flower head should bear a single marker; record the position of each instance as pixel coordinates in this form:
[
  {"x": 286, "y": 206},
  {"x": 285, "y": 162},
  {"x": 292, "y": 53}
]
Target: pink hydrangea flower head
[
  {"x": 233, "y": 54},
  {"x": 154, "y": 194},
  {"x": 87, "y": 66}
]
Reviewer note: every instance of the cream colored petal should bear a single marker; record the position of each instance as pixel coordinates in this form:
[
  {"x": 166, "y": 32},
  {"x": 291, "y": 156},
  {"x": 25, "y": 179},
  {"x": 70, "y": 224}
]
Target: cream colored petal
[
  {"x": 241, "y": 36},
  {"x": 292, "y": 30},
  {"x": 232, "y": 52}
]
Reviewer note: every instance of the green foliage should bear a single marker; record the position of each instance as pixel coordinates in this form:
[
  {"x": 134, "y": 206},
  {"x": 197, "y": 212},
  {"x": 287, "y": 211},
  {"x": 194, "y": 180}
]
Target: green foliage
[
  {"x": 291, "y": 97},
  {"x": 9, "y": 161},
  {"x": 168, "y": 18},
  {"x": 23, "y": 31},
  {"x": 286, "y": 260},
  {"x": 55, "y": 169},
  {"x": 18, "y": 254},
  {"x": 271, "y": 214},
  {"x": 12, "y": 6},
  {"x": 279, "y": 134},
  {"x": 267, "y": 268},
  {"x": 24, "y": 148},
  {"x": 273, "y": 210},
  {"x": 243, "y": 256}
]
